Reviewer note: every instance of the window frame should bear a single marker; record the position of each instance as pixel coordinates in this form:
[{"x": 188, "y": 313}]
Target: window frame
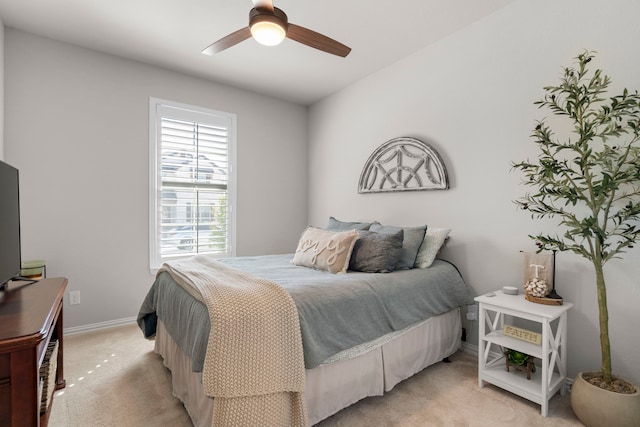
[{"x": 159, "y": 108}]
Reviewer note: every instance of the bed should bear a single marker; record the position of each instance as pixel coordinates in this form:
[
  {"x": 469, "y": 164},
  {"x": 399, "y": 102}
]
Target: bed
[{"x": 361, "y": 333}]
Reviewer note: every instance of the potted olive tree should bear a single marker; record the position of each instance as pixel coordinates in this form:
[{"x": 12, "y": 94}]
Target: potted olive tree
[{"x": 587, "y": 175}]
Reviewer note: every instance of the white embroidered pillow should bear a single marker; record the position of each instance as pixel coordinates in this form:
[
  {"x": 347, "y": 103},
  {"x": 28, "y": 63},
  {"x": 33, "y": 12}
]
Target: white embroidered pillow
[{"x": 325, "y": 249}]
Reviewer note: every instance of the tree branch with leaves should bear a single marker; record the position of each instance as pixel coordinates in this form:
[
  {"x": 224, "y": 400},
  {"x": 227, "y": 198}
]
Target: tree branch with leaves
[{"x": 590, "y": 179}]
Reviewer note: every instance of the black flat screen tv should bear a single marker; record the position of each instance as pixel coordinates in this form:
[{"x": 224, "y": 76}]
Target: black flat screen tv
[{"x": 10, "y": 255}]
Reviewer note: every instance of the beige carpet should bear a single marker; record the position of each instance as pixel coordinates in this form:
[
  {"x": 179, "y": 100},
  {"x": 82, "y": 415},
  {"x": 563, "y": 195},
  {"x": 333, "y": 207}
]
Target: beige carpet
[{"x": 114, "y": 379}]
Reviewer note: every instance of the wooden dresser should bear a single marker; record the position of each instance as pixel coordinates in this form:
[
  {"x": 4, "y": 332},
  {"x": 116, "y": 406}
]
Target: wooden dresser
[{"x": 30, "y": 319}]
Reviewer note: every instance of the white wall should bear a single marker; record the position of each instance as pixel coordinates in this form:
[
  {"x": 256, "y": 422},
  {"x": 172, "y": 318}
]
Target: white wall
[
  {"x": 77, "y": 128},
  {"x": 471, "y": 97}
]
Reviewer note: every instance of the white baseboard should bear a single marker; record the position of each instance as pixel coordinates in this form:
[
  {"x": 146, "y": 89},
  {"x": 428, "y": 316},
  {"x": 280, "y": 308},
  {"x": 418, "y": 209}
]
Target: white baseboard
[
  {"x": 469, "y": 348},
  {"x": 97, "y": 326}
]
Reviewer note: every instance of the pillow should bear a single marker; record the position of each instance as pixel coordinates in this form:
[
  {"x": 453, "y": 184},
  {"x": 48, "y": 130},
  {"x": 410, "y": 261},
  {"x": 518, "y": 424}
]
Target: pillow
[
  {"x": 376, "y": 252},
  {"x": 413, "y": 237},
  {"x": 325, "y": 249},
  {"x": 434, "y": 239},
  {"x": 335, "y": 224}
]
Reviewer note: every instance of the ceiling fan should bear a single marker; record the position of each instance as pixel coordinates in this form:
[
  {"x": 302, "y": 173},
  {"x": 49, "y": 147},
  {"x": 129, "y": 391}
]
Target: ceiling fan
[{"x": 269, "y": 26}]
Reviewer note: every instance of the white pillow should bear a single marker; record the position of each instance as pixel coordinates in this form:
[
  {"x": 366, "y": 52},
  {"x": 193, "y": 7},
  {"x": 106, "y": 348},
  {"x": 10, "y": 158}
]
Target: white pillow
[{"x": 434, "y": 238}]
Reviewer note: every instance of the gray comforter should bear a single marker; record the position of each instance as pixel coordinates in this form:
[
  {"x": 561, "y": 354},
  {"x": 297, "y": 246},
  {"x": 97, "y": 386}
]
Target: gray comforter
[{"x": 336, "y": 312}]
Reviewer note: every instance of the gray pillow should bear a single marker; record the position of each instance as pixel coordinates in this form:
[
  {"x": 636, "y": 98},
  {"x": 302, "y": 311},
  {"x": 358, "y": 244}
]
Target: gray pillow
[
  {"x": 413, "y": 237},
  {"x": 335, "y": 224},
  {"x": 376, "y": 252}
]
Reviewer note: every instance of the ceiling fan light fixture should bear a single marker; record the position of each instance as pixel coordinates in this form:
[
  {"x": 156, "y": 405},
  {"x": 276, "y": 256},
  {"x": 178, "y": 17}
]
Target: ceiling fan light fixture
[
  {"x": 269, "y": 26},
  {"x": 267, "y": 32}
]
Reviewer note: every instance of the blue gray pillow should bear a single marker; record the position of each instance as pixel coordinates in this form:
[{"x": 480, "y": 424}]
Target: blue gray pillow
[
  {"x": 413, "y": 237},
  {"x": 335, "y": 224}
]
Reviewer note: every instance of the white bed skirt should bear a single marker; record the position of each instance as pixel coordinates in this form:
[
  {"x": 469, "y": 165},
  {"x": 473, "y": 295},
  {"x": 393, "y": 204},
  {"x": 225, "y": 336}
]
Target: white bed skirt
[{"x": 330, "y": 388}]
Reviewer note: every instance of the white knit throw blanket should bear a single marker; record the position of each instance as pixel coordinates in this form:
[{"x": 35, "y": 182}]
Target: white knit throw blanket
[{"x": 254, "y": 366}]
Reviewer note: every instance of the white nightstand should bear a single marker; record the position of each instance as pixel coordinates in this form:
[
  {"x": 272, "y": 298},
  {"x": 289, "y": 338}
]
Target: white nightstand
[{"x": 552, "y": 353}]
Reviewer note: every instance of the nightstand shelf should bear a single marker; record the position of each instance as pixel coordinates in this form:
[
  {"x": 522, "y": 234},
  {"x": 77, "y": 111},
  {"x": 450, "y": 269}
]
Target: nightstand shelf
[
  {"x": 551, "y": 366},
  {"x": 517, "y": 382},
  {"x": 500, "y": 339}
]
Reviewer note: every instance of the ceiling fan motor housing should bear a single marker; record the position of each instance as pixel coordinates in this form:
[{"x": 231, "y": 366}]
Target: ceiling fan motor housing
[{"x": 277, "y": 16}]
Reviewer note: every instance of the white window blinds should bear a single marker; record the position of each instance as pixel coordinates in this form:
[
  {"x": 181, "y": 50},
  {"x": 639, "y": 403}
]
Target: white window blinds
[{"x": 191, "y": 182}]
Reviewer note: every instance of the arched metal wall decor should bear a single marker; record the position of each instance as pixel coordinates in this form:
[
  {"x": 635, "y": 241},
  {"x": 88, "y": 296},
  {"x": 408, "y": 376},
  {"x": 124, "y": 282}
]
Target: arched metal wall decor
[{"x": 403, "y": 164}]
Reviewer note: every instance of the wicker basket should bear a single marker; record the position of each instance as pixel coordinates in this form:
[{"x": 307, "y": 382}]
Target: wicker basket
[{"x": 48, "y": 375}]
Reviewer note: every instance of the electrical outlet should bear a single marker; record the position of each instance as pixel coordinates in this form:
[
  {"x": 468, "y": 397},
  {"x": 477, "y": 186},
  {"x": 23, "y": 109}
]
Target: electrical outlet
[
  {"x": 569, "y": 384},
  {"x": 472, "y": 312},
  {"x": 74, "y": 297}
]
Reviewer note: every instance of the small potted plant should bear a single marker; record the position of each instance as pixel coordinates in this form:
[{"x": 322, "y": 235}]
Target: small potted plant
[
  {"x": 520, "y": 361},
  {"x": 589, "y": 179}
]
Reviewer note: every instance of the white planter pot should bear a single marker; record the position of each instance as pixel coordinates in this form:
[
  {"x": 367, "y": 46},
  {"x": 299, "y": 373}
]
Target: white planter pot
[{"x": 597, "y": 407}]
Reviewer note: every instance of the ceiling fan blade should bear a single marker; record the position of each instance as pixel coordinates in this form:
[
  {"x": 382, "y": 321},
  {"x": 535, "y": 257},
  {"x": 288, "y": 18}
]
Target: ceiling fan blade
[
  {"x": 265, "y": 4},
  {"x": 228, "y": 41},
  {"x": 316, "y": 40}
]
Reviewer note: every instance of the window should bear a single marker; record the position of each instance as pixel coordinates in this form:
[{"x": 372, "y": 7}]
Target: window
[{"x": 191, "y": 185}]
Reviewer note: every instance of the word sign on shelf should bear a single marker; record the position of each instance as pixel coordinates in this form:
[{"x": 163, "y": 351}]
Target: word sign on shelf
[{"x": 522, "y": 334}]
